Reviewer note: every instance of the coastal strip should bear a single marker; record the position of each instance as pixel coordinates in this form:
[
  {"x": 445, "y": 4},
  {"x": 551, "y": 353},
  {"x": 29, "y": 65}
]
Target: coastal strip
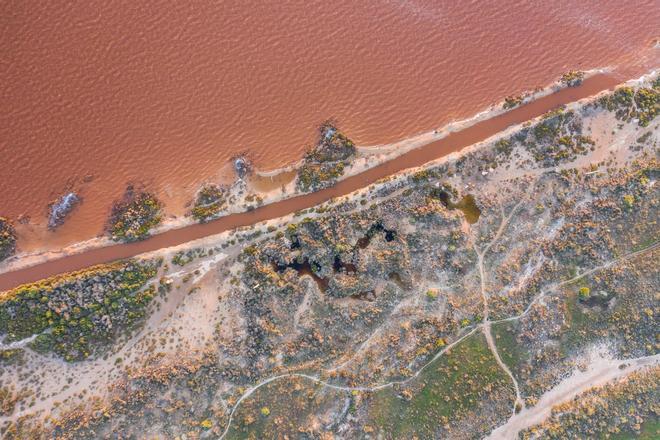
[{"x": 453, "y": 142}]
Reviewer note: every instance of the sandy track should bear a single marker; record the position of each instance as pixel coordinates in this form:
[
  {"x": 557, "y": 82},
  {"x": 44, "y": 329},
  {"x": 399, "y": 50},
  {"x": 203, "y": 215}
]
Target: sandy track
[{"x": 601, "y": 371}]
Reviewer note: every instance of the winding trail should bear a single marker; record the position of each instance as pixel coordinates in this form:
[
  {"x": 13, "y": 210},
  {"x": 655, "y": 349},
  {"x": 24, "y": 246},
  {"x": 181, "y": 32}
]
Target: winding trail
[
  {"x": 518, "y": 419},
  {"x": 605, "y": 265},
  {"x": 452, "y": 142},
  {"x": 318, "y": 380},
  {"x": 519, "y": 403}
]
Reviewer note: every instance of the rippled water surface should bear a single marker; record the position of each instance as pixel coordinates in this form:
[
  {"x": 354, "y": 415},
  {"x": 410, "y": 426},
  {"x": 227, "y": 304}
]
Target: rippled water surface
[{"x": 99, "y": 94}]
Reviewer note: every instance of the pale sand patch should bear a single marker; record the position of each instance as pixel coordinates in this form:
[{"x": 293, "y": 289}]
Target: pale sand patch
[{"x": 601, "y": 370}]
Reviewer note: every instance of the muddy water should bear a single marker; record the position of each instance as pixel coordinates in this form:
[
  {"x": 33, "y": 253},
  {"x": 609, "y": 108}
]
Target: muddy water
[
  {"x": 96, "y": 94},
  {"x": 453, "y": 142}
]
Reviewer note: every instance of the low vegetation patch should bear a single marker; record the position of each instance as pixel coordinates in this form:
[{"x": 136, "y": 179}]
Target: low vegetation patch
[
  {"x": 133, "y": 217},
  {"x": 210, "y": 201},
  {"x": 182, "y": 258},
  {"x": 628, "y": 103},
  {"x": 11, "y": 356},
  {"x": 455, "y": 386},
  {"x": 324, "y": 164},
  {"x": 572, "y": 78},
  {"x": 74, "y": 314},
  {"x": 558, "y": 139},
  {"x": 512, "y": 101},
  {"x": 7, "y": 238}
]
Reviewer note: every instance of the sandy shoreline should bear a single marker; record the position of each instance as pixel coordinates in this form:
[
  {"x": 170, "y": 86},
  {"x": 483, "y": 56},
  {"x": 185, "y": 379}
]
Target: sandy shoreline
[{"x": 368, "y": 157}]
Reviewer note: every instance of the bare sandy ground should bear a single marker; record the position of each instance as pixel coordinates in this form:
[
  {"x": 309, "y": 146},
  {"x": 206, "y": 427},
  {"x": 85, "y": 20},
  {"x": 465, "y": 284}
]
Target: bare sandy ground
[{"x": 601, "y": 370}]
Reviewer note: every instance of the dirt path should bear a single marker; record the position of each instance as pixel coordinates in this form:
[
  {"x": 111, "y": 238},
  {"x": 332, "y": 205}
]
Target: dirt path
[
  {"x": 88, "y": 373},
  {"x": 600, "y": 372},
  {"x": 519, "y": 403},
  {"x": 605, "y": 265},
  {"x": 516, "y": 418}
]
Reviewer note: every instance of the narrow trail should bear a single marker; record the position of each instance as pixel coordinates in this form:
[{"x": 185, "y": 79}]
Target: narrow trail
[
  {"x": 19, "y": 344},
  {"x": 605, "y": 265},
  {"x": 438, "y": 355},
  {"x": 519, "y": 403},
  {"x": 320, "y": 381}
]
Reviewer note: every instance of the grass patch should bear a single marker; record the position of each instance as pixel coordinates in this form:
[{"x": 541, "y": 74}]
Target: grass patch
[
  {"x": 287, "y": 408},
  {"x": 512, "y": 353},
  {"x": 455, "y": 385}
]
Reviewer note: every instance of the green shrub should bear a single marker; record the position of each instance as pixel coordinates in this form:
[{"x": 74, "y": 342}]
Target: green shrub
[
  {"x": 72, "y": 322},
  {"x": 7, "y": 238},
  {"x": 584, "y": 293},
  {"x": 133, "y": 217},
  {"x": 210, "y": 201},
  {"x": 572, "y": 78}
]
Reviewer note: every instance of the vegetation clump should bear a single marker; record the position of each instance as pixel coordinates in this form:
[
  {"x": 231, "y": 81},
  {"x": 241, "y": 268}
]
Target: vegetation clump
[
  {"x": 210, "y": 201},
  {"x": 7, "y": 238},
  {"x": 572, "y": 78},
  {"x": 512, "y": 101},
  {"x": 73, "y": 314},
  {"x": 324, "y": 164},
  {"x": 133, "y": 217},
  {"x": 11, "y": 356},
  {"x": 558, "y": 139},
  {"x": 182, "y": 258},
  {"x": 628, "y": 103}
]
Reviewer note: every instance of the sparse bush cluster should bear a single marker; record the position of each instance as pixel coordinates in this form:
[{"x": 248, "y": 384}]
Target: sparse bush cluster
[
  {"x": 210, "y": 201},
  {"x": 572, "y": 78},
  {"x": 628, "y": 103},
  {"x": 7, "y": 238},
  {"x": 323, "y": 165},
  {"x": 557, "y": 139},
  {"x": 11, "y": 356},
  {"x": 182, "y": 258},
  {"x": 133, "y": 217},
  {"x": 512, "y": 101}
]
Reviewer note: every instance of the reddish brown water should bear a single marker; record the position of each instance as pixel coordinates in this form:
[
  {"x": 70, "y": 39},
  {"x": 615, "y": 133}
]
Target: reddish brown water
[
  {"x": 453, "y": 142},
  {"x": 164, "y": 95}
]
